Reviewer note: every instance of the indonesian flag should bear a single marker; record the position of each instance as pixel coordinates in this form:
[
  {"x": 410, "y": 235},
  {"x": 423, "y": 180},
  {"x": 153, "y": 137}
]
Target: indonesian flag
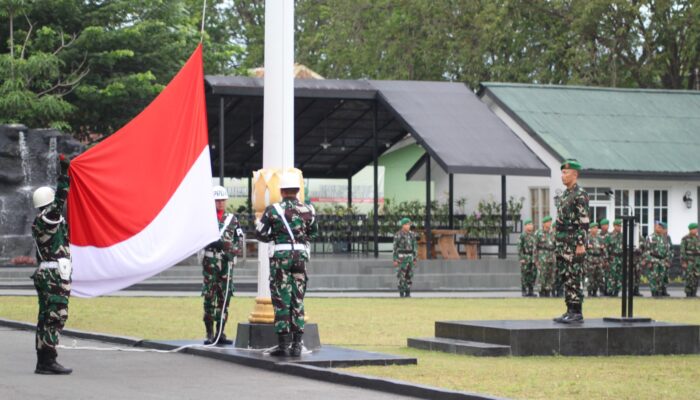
[{"x": 141, "y": 200}]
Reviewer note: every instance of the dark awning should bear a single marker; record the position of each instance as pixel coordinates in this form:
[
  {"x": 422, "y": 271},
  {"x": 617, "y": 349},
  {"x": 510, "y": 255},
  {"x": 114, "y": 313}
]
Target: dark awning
[{"x": 447, "y": 119}]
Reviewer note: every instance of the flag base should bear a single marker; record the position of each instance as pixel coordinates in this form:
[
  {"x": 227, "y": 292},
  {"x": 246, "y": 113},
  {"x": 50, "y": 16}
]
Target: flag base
[{"x": 262, "y": 313}]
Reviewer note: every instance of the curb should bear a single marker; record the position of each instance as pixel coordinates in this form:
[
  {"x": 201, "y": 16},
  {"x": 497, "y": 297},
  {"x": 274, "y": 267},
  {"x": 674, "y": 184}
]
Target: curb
[{"x": 306, "y": 371}]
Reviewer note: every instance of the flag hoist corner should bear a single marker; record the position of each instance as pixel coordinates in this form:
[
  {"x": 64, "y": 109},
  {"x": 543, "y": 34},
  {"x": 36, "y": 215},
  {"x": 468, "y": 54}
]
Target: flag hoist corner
[{"x": 141, "y": 200}]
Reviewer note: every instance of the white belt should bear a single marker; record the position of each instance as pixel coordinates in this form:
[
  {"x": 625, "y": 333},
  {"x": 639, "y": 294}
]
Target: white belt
[
  {"x": 288, "y": 246},
  {"x": 48, "y": 264}
]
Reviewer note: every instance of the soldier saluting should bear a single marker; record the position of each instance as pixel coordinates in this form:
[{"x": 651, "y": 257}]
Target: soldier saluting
[
  {"x": 289, "y": 225},
  {"x": 52, "y": 279},
  {"x": 572, "y": 227}
]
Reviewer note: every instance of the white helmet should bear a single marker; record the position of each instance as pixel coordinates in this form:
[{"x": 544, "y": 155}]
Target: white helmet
[
  {"x": 220, "y": 193},
  {"x": 289, "y": 180},
  {"x": 43, "y": 196}
]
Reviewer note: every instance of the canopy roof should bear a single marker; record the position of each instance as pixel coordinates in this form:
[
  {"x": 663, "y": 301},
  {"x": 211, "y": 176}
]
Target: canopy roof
[
  {"x": 447, "y": 119},
  {"x": 636, "y": 133}
]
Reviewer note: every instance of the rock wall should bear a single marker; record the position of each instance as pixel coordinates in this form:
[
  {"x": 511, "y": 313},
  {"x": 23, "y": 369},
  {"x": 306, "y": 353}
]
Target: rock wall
[{"x": 28, "y": 159}]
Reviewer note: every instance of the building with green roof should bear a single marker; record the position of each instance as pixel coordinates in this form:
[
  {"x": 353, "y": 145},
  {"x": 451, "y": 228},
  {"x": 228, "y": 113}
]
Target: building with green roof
[{"x": 640, "y": 148}]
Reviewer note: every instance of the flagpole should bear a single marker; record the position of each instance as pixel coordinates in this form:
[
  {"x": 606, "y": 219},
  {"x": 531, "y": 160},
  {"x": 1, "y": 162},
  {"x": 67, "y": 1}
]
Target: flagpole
[
  {"x": 278, "y": 132},
  {"x": 201, "y": 30}
]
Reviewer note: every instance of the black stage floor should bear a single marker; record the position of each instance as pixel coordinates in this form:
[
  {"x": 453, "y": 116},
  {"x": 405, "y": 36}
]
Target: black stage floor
[
  {"x": 325, "y": 356},
  {"x": 593, "y": 337}
]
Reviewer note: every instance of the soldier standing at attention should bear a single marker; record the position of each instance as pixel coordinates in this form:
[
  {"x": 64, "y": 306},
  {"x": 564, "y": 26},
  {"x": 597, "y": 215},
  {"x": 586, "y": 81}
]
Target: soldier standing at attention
[
  {"x": 690, "y": 260},
  {"x": 669, "y": 260},
  {"x": 405, "y": 254},
  {"x": 52, "y": 279},
  {"x": 604, "y": 226},
  {"x": 289, "y": 226},
  {"x": 526, "y": 247},
  {"x": 613, "y": 244},
  {"x": 572, "y": 228},
  {"x": 217, "y": 269},
  {"x": 656, "y": 254},
  {"x": 545, "y": 258},
  {"x": 595, "y": 261}
]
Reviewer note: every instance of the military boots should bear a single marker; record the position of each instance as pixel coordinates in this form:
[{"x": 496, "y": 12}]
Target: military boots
[
  {"x": 47, "y": 365},
  {"x": 282, "y": 349},
  {"x": 221, "y": 335},
  {"x": 209, "y": 327},
  {"x": 297, "y": 346}
]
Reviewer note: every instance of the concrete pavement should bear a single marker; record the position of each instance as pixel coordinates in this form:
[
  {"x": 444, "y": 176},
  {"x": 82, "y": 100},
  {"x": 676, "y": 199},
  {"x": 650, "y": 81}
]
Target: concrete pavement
[{"x": 150, "y": 376}]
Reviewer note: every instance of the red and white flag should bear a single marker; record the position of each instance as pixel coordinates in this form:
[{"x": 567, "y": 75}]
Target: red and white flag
[{"x": 141, "y": 200}]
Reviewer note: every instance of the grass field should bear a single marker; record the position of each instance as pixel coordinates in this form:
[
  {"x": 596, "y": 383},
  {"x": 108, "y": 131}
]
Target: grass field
[{"x": 384, "y": 324}]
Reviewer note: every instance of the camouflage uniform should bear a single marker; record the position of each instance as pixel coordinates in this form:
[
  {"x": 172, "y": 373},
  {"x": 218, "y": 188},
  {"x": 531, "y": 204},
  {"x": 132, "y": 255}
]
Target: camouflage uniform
[
  {"x": 613, "y": 274},
  {"x": 219, "y": 259},
  {"x": 50, "y": 233},
  {"x": 545, "y": 260},
  {"x": 690, "y": 261},
  {"x": 528, "y": 271},
  {"x": 596, "y": 254},
  {"x": 405, "y": 254},
  {"x": 572, "y": 228},
  {"x": 656, "y": 256},
  {"x": 288, "y": 268}
]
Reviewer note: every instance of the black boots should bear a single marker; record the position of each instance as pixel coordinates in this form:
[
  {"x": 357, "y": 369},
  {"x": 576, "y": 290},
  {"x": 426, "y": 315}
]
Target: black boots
[
  {"x": 295, "y": 350},
  {"x": 408, "y": 292},
  {"x": 46, "y": 364},
  {"x": 573, "y": 315},
  {"x": 282, "y": 349},
  {"x": 209, "y": 327},
  {"x": 220, "y": 333}
]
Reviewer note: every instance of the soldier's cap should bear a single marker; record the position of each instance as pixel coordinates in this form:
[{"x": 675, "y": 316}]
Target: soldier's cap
[
  {"x": 693, "y": 225},
  {"x": 593, "y": 225},
  {"x": 604, "y": 221},
  {"x": 404, "y": 221},
  {"x": 571, "y": 163},
  {"x": 617, "y": 222},
  {"x": 527, "y": 222},
  {"x": 546, "y": 219},
  {"x": 663, "y": 224}
]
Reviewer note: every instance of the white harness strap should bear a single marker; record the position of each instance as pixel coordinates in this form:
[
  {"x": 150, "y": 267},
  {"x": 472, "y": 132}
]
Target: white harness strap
[
  {"x": 226, "y": 222},
  {"x": 286, "y": 224}
]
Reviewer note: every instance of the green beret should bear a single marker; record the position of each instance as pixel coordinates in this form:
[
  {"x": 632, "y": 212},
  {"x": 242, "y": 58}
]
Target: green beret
[
  {"x": 527, "y": 222},
  {"x": 617, "y": 222},
  {"x": 571, "y": 163},
  {"x": 594, "y": 225},
  {"x": 604, "y": 221},
  {"x": 546, "y": 219},
  {"x": 663, "y": 224},
  {"x": 404, "y": 221},
  {"x": 693, "y": 225}
]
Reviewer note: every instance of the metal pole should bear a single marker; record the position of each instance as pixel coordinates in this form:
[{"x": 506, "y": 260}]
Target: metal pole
[
  {"x": 350, "y": 192},
  {"x": 428, "y": 230},
  {"x": 451, "y": 200},
  {"x": 504, "y": 209},
  {"x": 376, "y": 182},
  {"x": 221, "y": 140},
  {"x": 250, "y": 193},
  {"x": 625, "y": 233},
  {"x": 630, "y": 270}
]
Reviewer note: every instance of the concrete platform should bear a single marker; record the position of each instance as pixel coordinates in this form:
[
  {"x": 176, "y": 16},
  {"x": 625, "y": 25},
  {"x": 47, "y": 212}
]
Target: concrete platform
[
  {"x": 326, "y": 356},
  {"x": 594, "y": 337}
]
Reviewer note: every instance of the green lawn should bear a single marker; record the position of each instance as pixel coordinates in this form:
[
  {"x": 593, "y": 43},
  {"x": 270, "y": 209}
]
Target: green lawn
[{"x": 384, "y": 324}]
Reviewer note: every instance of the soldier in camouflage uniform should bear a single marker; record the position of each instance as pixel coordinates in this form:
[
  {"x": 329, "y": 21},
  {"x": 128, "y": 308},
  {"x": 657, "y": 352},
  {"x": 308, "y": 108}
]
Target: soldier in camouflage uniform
[
  {"x": 690, "y": 260},
  {"x": 405, "y": 254},
  {"x": 613, "y": 244},
  {"x": 558, "y": 284},
  {"x": 603, "y": 232},
  {"x": 217, "y": 269},
  {"x": 594, "y": 261},
  {"x": 572, "y": 228},
  {"x": 526, "y": 247},
  {"x": 655, "y": 257},
  {"x": 52, "y": 279},
  {"x": 669, "y": 260},
  {"x": 288, "y": 262},
  {"x": 545, "y": 257}
]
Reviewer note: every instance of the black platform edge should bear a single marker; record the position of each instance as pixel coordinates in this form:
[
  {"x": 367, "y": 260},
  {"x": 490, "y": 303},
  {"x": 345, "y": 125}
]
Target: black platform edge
[
  {"x": 627, "y": 319},
  {"x": 104, "y": 337},
  {"x": 457, "y": 346}
]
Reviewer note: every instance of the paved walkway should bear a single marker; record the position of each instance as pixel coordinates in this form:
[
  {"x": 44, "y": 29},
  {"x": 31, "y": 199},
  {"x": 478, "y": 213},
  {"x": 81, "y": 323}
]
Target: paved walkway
[{"x": 139, "y": 375}]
